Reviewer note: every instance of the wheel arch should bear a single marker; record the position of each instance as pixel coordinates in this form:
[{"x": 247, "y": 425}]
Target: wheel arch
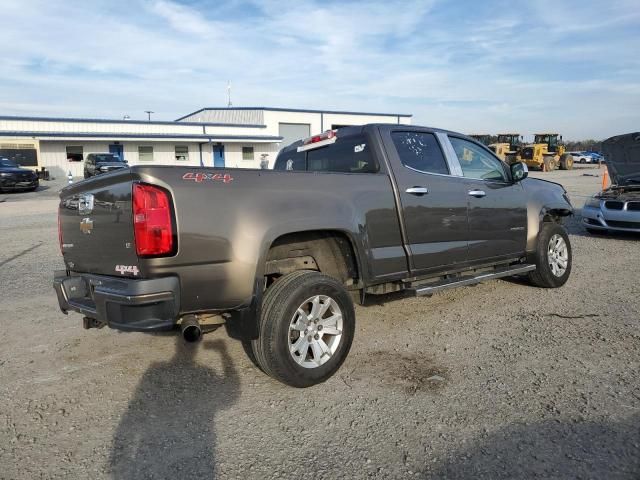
[
  {"x": 545, "y": 214},
  {"x": 335, "y": 253}
]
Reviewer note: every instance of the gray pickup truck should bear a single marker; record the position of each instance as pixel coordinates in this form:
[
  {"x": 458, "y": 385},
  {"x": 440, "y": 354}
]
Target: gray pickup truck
[{"x": 279, "y": 256}]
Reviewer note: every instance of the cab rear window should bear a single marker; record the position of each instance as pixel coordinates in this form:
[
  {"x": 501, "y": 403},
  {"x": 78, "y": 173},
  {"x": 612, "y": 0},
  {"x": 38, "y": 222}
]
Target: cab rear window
[
  {"x": 291, "y": 160},
  {"x": 347, "y": 155}
]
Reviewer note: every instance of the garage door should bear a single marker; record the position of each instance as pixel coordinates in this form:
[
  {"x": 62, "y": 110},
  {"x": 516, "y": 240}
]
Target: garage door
[
  {"x": 24, "y": 154},
  {"x": 294, "y": 131}
]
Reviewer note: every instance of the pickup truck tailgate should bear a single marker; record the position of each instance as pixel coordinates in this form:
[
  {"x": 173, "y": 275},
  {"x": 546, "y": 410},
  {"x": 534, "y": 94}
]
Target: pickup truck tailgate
[{"x": 96, "y": 228}]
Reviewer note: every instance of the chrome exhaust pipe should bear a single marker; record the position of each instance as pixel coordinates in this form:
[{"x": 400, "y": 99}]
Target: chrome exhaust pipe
[{"x": 190, "y": 328}]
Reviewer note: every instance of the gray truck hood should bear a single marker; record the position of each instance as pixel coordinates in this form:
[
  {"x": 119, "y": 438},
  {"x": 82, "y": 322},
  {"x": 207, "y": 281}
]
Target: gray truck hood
[{"x": 622, "y": 154}]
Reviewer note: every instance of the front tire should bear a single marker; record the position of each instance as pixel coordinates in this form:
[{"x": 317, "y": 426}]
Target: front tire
[
  {"x": 306, "y": 328},
  {"x": 553, "y": 257},
  {"x": 566, "y": 162}
]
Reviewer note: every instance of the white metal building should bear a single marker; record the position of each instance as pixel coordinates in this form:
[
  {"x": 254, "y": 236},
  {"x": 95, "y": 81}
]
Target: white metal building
[{"x": 232, "y": 137}]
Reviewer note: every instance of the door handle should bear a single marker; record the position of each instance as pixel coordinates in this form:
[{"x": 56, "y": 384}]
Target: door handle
[
  {"x": 477, "y": 193},
  {"x": 417, "y": 190}
]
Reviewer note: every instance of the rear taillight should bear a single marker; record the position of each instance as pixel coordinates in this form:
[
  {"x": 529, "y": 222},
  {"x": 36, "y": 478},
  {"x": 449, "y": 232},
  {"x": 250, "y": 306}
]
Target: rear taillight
[{"x": 152, "y": 221}]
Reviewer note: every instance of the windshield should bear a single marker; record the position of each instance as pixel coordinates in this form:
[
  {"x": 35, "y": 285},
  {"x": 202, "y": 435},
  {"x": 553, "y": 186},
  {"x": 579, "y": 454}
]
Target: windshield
[
  {"x": 5, "y": 162},
  {"x": 107, "y": 157},
  {"x": 510, "y": 139}
]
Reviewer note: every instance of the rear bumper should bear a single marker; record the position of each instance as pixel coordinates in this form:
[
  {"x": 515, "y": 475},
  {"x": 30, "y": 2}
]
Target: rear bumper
[{"x": 122, "y": 303}]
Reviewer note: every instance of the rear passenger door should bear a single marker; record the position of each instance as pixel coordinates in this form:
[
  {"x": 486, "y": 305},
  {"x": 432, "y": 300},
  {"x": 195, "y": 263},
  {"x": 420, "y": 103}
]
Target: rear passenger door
[
  {"x": 497, "y": 205},
  {"x": 433, "y": 199}
]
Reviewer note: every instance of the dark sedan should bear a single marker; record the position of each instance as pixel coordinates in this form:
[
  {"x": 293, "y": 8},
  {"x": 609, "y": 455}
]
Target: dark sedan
[{"x": 12, "y": 177}]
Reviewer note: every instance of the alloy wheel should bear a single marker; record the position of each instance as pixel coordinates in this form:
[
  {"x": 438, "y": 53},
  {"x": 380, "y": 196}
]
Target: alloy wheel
[{"x": 315, "y": 331}]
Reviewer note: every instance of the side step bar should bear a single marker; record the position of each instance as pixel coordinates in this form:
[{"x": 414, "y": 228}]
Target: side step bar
[{"x": 428, "y": 289}]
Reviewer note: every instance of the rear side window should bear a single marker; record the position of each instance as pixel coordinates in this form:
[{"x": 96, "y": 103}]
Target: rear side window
[
  {"x": 420, "y": 151},
  {"x": 347, "y": 155}
]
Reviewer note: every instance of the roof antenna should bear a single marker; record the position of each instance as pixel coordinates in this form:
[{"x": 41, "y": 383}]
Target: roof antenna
[{"x": 229, "y": 104}]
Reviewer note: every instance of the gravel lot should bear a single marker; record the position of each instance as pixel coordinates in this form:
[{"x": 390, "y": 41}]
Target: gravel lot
[{"x": 501, "y": 380}]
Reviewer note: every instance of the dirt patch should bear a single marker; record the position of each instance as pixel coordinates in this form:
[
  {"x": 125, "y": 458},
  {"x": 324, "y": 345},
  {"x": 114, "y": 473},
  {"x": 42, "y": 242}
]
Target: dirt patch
[{"x": 412, "y": 373}]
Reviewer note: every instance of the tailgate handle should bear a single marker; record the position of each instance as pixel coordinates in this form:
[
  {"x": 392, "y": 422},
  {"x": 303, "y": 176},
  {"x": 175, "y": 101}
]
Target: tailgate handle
[{"x": 417, "y": 190}]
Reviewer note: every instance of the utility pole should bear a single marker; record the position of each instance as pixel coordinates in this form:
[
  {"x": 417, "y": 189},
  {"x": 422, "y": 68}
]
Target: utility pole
[
  {"x": 229, "y": 94},
  {"x": 149, "y": 112}
]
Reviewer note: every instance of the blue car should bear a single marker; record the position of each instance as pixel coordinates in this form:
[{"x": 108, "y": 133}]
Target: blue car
[{"x": 596, "y": 156}]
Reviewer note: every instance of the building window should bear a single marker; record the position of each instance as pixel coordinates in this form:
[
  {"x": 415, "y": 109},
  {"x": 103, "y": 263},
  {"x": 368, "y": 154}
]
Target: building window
[
  {"x": 247, "y": 153},
  {"x": 182, "y": 153},
  {"x": 74, "y": 154},
  {"x": 145, "y": 154}
]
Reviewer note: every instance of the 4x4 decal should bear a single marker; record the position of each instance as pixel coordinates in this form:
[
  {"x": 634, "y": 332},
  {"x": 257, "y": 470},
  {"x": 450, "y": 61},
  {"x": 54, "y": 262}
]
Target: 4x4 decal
[{"x": 201, "y": 177}]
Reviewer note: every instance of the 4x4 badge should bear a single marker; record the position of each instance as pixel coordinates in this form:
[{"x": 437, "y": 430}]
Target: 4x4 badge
[{"x": 86, "y": 225}]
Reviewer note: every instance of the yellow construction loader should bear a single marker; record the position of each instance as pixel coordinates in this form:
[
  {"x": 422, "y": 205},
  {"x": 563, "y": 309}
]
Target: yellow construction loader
[
  {"x": 507, "y": 147},
  {"x": 547, "y": 152}
]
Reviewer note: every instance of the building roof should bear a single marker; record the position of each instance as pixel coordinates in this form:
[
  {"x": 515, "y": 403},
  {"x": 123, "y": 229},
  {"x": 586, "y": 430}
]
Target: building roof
[
  {"x": 296, "y": 110},
  {"x": 143, "y": 136},
  {"x": 134, "y": 122}
]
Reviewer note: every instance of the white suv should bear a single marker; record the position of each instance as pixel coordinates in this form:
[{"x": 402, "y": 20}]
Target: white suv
[{"x": 579, "y": 157}]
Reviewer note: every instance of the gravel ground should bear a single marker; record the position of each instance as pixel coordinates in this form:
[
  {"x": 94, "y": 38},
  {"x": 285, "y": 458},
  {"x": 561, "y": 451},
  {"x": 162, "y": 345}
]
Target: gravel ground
[{"x": 501, "y": 380}]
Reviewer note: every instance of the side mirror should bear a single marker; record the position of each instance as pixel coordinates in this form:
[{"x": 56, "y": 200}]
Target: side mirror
[{"x": 519, "y": 171}]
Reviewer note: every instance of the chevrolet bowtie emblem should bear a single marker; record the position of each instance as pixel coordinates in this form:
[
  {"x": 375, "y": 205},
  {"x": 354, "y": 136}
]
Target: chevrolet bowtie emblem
[{"x": 86, "y": 225}]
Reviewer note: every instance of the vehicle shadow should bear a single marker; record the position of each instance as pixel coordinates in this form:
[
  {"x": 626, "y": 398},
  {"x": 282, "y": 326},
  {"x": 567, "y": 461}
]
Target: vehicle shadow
[
  {"x": 550, "y": 449},
  {"x": 168, "y": 428}
]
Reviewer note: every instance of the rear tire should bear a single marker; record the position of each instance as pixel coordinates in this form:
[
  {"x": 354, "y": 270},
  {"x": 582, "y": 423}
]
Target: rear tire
[
  {"x": 306, "y": 328},
  {"x": 552, "y": 257}
]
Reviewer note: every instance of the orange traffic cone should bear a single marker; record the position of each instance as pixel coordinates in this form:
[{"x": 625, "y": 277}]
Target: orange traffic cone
[{"x": 605, "y": 179}]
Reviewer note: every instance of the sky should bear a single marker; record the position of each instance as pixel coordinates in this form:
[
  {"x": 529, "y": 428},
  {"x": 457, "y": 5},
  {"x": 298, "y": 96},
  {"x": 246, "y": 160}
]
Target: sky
[{"x": 471, "y": 66}]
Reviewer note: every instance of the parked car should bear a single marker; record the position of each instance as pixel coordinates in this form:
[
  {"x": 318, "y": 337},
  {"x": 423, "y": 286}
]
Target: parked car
[
  {"x": 618, "y": 207},
  {"x": 280, "y": 255},
  {"x": 581, "y": 157},
  {"x": 13, "y": 177},
  {"x": 97, "y": 163},
  {"x": 595, "y": 156}
]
